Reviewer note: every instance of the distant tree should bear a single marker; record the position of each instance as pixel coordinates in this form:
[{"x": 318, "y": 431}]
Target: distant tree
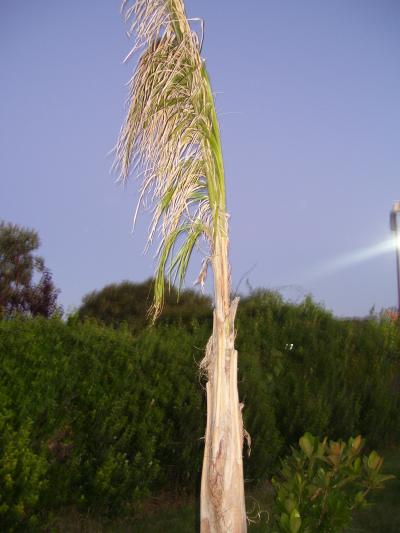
[
  {"x": 19, "y": 268},
  {"x": 128, "y": 302}
]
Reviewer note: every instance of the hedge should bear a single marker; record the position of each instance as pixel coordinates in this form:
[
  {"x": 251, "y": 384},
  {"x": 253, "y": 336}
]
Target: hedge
[{"x": 94, "y": 417}]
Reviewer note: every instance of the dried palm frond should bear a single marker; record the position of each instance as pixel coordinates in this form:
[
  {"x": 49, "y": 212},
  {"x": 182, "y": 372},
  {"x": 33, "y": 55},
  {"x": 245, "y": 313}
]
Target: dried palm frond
[{"x": 171, "y": 138}]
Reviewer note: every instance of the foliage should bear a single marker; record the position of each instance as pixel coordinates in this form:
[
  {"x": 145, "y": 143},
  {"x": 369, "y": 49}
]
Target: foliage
[
  {"x": 22, "y": 474},
  {"x": 343, "y": 375},
  {"x": 382, "y": 513},
  {"x": 166, "y": 512},
  {"x": 322, "y": 483},
  {"x": 91, "y": 410},
  {"x": 171, "y": 139},
  {"x": 129, "y": 302},
  {"x": 106, "y": 418},
  {"x": 18, "y": 267},
  {"x": 112, "y": 417}
]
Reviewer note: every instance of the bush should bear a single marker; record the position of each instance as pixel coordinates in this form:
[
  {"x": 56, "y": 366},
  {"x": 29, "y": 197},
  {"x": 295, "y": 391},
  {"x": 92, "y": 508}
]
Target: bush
[
  {"x": 129, "y": 302},
  {"x": 320, "y": 373},
  {"x": 106, "y": 418},
  {"x": 91, "y": 408},
  {"x": 321, "y": 484},
  {"x": 22, "y": 475}
]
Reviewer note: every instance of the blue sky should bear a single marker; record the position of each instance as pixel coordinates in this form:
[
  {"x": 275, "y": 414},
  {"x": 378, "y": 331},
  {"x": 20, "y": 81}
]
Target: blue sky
[{"x": 308, "y": 100}]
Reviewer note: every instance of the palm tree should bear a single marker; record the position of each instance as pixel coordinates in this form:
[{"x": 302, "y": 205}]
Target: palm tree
[{"x": 171, "y": 137}]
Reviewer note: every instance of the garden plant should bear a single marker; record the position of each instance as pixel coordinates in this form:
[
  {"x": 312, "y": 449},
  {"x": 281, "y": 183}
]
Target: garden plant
[{"x": 322, "y": 483}]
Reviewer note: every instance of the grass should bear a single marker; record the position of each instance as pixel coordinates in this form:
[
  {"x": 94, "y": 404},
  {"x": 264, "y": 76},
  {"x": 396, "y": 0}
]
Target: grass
[
  {"x": 164, "y": 516},
  {"x": 177, "y": 516}
]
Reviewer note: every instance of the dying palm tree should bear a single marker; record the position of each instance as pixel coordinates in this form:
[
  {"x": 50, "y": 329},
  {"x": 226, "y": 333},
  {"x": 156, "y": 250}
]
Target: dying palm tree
[{"x": 171, "y": 138}]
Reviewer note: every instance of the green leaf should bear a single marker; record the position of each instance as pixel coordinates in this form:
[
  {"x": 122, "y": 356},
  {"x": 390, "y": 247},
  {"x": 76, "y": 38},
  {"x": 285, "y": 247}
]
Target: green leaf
[
  {"x": 290, "y": 505},
  {"x": 357, "y": 465},
  {"x": 374, "y": 461},
  {"x": 359, "y": 498},
  {"x": 284, "y": 521},
  {"x": 295, "y": 521},
  {"x": 356, "y": 443},
  {"x": 380, "y": 478},
  {"x": 306, "y": 443}
]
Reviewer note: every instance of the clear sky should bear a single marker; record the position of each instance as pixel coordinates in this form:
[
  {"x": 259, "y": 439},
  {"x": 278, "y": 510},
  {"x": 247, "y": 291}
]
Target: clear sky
[{"x": 308, "y": 99}]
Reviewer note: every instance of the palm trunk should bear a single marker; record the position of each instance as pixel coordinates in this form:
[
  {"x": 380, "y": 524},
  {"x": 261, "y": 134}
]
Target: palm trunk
[{"x": 222, "y": 506}]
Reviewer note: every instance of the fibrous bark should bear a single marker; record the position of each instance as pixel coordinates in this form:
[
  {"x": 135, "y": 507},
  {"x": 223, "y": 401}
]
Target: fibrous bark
[{"x": 222, "y": 487}]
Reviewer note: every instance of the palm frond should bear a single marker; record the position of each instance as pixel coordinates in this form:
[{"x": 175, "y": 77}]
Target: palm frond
[{"x": 171, "y": 137}]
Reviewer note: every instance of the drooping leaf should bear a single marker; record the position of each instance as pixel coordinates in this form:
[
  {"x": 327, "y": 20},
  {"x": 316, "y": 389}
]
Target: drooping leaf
[{"x": 171, "y": 138}]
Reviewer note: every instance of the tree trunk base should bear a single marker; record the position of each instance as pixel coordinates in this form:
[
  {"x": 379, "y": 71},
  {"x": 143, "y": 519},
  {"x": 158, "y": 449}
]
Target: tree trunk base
[{"x": 222, "y": 486}]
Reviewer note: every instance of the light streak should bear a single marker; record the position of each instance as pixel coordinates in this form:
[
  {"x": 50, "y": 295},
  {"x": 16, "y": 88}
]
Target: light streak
[{"x": 353, "y": 258}]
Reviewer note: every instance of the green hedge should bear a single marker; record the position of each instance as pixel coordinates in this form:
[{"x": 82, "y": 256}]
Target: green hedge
[
  {"x": 97, "y": 418},
  {"x": 325, "y": 375}
]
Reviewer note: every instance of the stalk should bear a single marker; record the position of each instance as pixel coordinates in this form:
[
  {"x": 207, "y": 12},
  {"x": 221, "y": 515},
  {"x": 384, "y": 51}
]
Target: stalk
[{"x": 222, "y": 505}]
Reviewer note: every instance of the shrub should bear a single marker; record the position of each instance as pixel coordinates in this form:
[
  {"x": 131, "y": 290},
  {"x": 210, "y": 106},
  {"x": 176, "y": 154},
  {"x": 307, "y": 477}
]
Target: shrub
[
  {"x": 22, "y": 475},
  {"x": 321, "y": 484},
  {"x": 109, "y": 417},
  {"x": 129, "y": 302},
  {"x": 320, "y": 373},
  {"x": 91, "y": 411}
]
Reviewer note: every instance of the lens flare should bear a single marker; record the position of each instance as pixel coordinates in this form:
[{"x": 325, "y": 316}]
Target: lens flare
[
  {"x": 364, "y": 254},
  {"x": 353, "y": 258}
]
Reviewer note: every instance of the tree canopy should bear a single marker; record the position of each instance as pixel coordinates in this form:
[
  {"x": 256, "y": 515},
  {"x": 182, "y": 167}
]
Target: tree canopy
[
  {"x": 26, "y": 285},
  {"x": 129, "y": 302}
]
